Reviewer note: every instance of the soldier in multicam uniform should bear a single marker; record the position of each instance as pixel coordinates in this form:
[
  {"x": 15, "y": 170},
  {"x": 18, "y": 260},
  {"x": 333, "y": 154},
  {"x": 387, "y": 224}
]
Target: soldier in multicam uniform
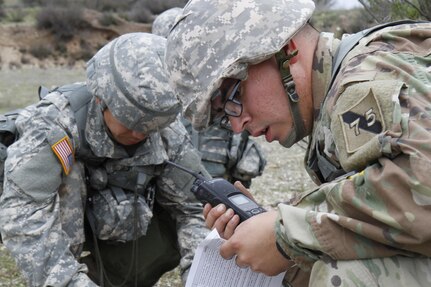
[
  {"x": 262, "y": 66},
  {"x": 224, "y": 154},
  {"x": 99, "y": 148}
]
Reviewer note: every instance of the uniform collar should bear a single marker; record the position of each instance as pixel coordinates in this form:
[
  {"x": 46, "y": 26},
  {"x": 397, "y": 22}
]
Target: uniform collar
[{"x": 322, "y": 67}]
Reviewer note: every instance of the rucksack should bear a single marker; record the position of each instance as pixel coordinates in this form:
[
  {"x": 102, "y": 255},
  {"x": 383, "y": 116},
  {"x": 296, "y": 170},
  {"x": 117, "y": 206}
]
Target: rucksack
[{"x": 8, "y": 136}]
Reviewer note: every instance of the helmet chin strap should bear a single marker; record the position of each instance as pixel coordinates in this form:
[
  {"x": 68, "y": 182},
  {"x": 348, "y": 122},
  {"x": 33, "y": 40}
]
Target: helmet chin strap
[{"x": 289, "y": 87}]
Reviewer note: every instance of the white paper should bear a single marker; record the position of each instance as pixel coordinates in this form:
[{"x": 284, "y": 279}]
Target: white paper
[{"x": 209, "y": 269}]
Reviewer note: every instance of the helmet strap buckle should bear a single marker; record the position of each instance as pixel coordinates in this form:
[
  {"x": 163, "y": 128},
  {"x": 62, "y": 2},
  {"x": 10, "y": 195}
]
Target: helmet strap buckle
[{"x": 283, "y": 61}]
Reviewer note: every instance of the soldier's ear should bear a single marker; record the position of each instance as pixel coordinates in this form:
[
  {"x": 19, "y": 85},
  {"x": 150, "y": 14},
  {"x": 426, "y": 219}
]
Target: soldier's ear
[{"x": 291, "y": 49}]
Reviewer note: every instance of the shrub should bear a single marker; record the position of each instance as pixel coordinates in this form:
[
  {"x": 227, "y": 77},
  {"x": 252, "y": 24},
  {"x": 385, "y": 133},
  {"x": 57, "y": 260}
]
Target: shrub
[
  {"x": 40, "y": 51},
  {"x": 33, "y": 3},
  {"x": 112, "y": 5},
  {"x": 350, "y": 21},
  {"x": 390, "y": 10},
  {"x": 108, "y": 19},
  {"x": 86, "y": 51},
  {"x": 16, "y": 15},
  {"x": 64, "y": 22},
  {"x": 2, "y": 9},
  {"x": 145, "y": 11}
]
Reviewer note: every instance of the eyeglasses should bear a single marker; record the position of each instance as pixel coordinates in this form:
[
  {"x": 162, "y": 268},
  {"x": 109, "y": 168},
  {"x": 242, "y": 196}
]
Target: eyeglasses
[
  {"x": 226, "y": 102},
  {"x": 232, "y": 106}
]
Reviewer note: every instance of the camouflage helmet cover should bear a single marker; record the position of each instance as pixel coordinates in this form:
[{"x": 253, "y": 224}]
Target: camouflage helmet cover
[
  {"x": 164, "y": 22},
  {"x": 217, "y": 39},
  {"x": 128, "y": 75}
]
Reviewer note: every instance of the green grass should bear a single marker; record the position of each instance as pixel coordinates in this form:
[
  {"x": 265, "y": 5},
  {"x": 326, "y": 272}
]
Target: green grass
[
  {"x": 18, "y": 88},
  {"x": 9, "y": 274}
]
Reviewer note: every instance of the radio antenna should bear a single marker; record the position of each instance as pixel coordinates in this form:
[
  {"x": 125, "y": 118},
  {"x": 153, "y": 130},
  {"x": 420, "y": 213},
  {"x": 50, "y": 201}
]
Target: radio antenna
[{"x": 195, "y": 174}]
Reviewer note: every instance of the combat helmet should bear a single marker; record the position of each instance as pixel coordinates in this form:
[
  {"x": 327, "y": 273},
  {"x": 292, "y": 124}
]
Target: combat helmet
[
  {"x": 128, "y": 75},
  {"x": 214, "y": 40},
  {"x": 164, "y": 21}
]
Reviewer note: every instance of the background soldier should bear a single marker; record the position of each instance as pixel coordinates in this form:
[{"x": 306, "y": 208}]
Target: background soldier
[
  {"x": 224, "y": 154},
  {"x": 99, "y": 148},
  {"x": 369, "y": 122}
]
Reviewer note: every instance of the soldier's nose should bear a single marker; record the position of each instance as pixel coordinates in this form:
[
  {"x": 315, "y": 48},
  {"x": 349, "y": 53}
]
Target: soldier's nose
[{"x": 238, "y": 123}]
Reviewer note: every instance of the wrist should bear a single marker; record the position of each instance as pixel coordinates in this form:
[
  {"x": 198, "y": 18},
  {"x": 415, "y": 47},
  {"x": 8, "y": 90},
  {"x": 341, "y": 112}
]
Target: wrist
[
  {"x": 281, "y": 251},
  {"x": 279, "y": 242}
]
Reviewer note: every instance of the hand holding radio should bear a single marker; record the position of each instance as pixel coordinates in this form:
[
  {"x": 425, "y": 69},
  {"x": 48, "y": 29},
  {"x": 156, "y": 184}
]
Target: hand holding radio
[
  {"x": 253, "y": 243},
  {"x": 218, "y": 190},
  {"x": 224, "y": 218}
]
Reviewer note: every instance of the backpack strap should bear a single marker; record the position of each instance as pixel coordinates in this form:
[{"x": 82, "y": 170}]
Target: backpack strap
[
  {"x": 8, "y": 135},
  {"x": 79, "y": 97}
]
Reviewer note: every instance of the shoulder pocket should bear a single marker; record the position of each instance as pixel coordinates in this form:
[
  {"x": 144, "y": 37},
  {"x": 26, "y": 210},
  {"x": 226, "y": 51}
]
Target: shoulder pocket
[{"x": 40, "y": 177}]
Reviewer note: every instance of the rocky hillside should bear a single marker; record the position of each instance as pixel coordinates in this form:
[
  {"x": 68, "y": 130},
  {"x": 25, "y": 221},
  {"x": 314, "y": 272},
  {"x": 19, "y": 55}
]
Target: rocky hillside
[{"x": 22, "y": 44}]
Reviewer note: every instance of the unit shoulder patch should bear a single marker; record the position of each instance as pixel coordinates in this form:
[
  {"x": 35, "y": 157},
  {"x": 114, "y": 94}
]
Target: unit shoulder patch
[
  {"x": 64, "y": 152},
  {"x": 361, "y": 122}
]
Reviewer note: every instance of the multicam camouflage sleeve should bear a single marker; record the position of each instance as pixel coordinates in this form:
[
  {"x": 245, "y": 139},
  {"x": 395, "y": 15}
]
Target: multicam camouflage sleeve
[
  {"x": 376, "y": 123},
  {"x": 175, "y": 194},
  {"x": 37, "y": 199}
]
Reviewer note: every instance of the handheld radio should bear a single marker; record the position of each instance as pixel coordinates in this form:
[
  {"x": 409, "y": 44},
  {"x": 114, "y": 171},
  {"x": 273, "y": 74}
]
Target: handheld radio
[{"x": 218, "y": 190}]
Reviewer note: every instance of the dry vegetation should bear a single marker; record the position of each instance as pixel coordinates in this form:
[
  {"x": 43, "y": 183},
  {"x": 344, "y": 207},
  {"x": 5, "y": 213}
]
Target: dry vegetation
[{"x": 48, "y": 33}]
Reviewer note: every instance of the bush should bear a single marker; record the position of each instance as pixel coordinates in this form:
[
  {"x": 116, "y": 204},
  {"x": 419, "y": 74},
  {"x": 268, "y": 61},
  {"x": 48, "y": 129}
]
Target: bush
[
  {"x": 16, "y": 15},
  {"x": 112, "y": 5},
  {"x": 108, "y": 19},
  {"x": 40, "y": 51},
  {"x": 64, "y": 22},
  {"x": 391, "y": 10},
  {"x": 86, "y": 51},
  {"x": 145, "y": 11},
  {"x": 350, "y": 21},
  {"x": 2, "y": 10},
  {"x": 34, "y": 3}
]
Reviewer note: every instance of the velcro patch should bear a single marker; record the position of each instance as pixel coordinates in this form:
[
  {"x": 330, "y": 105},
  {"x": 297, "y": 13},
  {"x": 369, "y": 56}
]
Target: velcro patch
[
  {"x": 64, "y": 152},
  {"x": 361, "y": 122}
]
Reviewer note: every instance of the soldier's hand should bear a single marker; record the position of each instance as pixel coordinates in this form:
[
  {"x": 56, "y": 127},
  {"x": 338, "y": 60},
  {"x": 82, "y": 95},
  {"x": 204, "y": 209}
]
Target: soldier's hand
[
  {"x": 238, "y": 184},
  {"x": 225, "y": 220},
  {"x": 253, "y": 244}
]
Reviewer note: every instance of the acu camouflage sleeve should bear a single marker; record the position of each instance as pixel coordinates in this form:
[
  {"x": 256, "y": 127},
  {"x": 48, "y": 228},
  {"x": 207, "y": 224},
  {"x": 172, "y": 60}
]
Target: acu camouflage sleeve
[
  {"x": 381, "y": 126},
  {"x": 31, "y": 210}
]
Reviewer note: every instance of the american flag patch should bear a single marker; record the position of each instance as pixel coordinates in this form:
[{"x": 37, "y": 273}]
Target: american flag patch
[{"x": 63, "y": 150}]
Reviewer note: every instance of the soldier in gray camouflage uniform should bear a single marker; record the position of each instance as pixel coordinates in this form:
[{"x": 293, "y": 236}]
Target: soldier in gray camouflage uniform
[
  {"x": 262, "y": 66},
  {"x": 99, "y": 148},
  {"x": 233, "y": 156}
]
